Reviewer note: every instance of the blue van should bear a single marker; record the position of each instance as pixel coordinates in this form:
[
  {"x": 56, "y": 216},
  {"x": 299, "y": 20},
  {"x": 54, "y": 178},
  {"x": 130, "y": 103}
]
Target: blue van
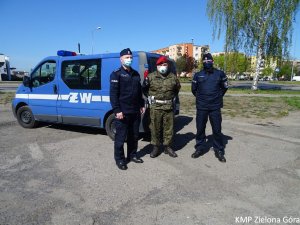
[{"x": 74, "y": 89}]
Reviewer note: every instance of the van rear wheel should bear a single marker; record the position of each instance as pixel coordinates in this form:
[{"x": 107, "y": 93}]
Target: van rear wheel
[
  {"x": 110, "y": 126},
  {"x": 25, "y": 117}
]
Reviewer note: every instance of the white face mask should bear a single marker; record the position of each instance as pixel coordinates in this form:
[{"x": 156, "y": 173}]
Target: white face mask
[
  {"x": 127, "y": 62},
  {"x": 162, "y": 69}
]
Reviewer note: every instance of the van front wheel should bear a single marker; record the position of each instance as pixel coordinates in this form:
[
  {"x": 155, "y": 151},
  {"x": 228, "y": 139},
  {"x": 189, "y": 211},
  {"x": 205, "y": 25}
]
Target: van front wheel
[
  {"x": 110, "y": 126},
  {"x": 25, "y": 117}
]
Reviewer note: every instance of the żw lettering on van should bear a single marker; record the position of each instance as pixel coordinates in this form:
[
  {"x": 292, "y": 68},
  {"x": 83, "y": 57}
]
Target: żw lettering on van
[{"x": 84, "y": 97}]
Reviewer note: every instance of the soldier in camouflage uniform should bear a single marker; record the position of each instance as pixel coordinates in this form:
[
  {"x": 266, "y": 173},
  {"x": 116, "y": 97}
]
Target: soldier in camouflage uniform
[{"x": 161, "y": 87}]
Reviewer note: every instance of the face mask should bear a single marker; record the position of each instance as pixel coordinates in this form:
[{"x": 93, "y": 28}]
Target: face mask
[
  {"x": 127, "y": 62},
  {"x": 162, "y": 69},
  {"x": 208, "y": 65}
]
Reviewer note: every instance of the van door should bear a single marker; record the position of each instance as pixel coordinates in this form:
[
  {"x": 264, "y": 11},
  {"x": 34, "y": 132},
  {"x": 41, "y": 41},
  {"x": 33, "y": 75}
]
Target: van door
[
  {"x": 80, "y": 92},
  {"x": 43, "y": 95}
]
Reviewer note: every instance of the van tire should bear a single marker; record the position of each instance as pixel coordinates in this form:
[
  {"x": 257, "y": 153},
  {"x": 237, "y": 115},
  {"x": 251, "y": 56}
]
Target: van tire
[
  {"x": 26, "y": 118},
  {"x": 110, "y": 126}
]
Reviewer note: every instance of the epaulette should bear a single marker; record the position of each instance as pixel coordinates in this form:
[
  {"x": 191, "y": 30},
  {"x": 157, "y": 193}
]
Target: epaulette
[{"x": 117, "y": 70}]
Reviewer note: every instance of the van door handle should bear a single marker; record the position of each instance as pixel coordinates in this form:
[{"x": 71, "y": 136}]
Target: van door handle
[{"x": 55, "y": 89}]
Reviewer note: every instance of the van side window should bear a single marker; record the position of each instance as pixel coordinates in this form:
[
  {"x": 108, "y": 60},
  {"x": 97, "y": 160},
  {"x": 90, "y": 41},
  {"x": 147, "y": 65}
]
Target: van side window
[
  {"x": 44, "y": 74},
  {"x": 82, "y": 74}
]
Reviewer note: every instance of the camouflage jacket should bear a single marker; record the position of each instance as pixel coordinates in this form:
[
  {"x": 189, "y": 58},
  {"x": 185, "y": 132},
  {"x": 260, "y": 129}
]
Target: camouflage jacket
[{"x": 159, "y": 88}]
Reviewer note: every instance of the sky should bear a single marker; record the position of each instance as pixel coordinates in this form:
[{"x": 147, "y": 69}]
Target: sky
[{"x": 34, "y": 29}]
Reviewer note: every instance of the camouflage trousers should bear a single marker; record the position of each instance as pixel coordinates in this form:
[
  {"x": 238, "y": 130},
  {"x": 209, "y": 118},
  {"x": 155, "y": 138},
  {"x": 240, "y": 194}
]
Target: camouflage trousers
[{"x": 161, "y": 126}]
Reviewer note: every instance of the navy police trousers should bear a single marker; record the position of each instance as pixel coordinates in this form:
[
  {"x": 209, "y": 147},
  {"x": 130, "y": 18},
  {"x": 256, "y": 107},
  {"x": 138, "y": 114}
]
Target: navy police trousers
[
  {"x": 126, "y": 128},
  {"x": 215, "y": 119}
]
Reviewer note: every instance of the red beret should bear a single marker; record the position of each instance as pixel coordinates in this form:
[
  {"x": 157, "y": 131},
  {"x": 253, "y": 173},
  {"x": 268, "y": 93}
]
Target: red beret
[{"x": 161, "y": 60}]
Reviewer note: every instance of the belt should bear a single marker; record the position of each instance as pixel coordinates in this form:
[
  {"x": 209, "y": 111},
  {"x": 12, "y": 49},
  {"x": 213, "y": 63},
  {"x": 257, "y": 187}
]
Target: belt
[
  {"x": 152, "y": 100},
  {"x": 162, "y": 101}
]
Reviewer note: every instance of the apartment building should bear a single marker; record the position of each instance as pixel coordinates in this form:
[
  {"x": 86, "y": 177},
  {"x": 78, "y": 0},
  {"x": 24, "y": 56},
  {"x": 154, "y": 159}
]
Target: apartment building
[{"x": 177, "y": 50}]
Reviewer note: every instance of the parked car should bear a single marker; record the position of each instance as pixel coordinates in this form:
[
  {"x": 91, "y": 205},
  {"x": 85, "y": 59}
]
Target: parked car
[{"x": 296, "y": 78}]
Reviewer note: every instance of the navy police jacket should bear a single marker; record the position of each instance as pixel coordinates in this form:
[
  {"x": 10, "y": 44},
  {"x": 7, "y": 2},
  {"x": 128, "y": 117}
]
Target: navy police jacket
[
  {"x": 209, "y": 89},
  {"x": 125, "y": 91}
]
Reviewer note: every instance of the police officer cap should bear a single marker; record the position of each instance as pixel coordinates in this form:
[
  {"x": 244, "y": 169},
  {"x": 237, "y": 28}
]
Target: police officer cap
[
  {"x": 207, "y": 56},
  {"x": 126, "y": 51},
  {"x": 161, "y": 60}
]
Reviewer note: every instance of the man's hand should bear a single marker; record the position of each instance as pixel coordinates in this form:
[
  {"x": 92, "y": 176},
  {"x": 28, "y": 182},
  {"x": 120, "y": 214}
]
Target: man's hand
[
  {"x": 142, "y": 110},
  {"x": 120, "y": 116}
]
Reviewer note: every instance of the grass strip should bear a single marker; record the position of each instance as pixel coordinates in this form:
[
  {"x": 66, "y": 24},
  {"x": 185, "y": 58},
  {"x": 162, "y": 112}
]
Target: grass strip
[{"x": 248, "y": 107}]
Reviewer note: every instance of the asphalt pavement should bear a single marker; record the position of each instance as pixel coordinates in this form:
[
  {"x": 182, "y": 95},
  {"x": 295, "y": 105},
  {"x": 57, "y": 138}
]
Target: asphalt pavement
[{"x": 64, "y": 175}]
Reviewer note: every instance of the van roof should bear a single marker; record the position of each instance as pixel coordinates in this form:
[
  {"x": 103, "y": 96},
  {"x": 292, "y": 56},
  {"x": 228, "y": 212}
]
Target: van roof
[
  {"x": 107, "y": 55},
  {"x": 104, "y": 55}
]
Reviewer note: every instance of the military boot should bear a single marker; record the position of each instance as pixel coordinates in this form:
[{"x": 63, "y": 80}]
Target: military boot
[
  {"x": 170, "y": 151},
  {"x": 155, "y": 151}
]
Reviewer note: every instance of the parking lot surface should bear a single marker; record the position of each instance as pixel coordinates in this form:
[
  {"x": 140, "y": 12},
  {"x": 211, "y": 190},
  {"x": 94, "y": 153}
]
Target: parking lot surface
[{"x": 63, "y": 175}]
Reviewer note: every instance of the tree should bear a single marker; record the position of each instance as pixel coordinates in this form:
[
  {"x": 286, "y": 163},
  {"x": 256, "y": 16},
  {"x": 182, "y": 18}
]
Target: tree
[
  {"x": 263, "y": 27},
  {"x": 190, "y": 64},
  {"x": 180, "y": 64},
  {"x": 268, "y": 71},
  {"x": 236, "y": 63},
  {"x": 285, "y": 70},
  {"x": 185, "y": 64}
]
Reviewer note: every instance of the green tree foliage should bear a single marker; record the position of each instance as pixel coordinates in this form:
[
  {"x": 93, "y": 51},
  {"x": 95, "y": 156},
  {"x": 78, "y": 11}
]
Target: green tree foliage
[
  {"x": 285, "y": 71},
  {"x": 263, "y": 27},
  {"x": 185, "y": 64},
  {"x": 268, "y": 71},
  {"x": 180, "y": 64},
  {"x": 236, "y": 63}
]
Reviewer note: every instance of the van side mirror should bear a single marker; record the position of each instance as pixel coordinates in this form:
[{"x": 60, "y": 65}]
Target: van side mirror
[{"x": 26, "y": 81}]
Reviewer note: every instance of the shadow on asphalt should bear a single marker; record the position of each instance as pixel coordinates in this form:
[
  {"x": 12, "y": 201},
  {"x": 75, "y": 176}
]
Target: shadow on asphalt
[
  {"x": 209, "y": 143},
  {"x": 74, "y": 128},
  {"x": 179, "y": 140}
]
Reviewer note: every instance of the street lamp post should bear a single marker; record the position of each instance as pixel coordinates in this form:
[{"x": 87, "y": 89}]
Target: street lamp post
[
  {"x": 98, "y": 28},
  {"x": 292, "y": 73}
]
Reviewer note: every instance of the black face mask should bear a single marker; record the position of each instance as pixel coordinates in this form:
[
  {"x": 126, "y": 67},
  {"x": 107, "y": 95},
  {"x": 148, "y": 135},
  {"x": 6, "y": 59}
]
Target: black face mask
[{"x": 208, "y": 66}]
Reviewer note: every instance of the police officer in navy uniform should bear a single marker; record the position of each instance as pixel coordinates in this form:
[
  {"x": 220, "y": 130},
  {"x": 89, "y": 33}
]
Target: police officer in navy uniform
[
  {"x": 128, "y": 104},
  {"x": 209, "y": 86}
]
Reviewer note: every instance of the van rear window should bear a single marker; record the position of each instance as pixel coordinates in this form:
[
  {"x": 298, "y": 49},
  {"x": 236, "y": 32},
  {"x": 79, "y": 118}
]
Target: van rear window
[{"x": 82, "y": 74}]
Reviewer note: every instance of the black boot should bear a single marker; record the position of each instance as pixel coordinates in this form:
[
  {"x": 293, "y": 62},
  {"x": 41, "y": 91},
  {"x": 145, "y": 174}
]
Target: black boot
[
  {"x": 197, "y": 154},
  {"x": 155, "y": 151},
  {"x": 220, "y": 155},
  {"x": 170, "y": 151}
]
